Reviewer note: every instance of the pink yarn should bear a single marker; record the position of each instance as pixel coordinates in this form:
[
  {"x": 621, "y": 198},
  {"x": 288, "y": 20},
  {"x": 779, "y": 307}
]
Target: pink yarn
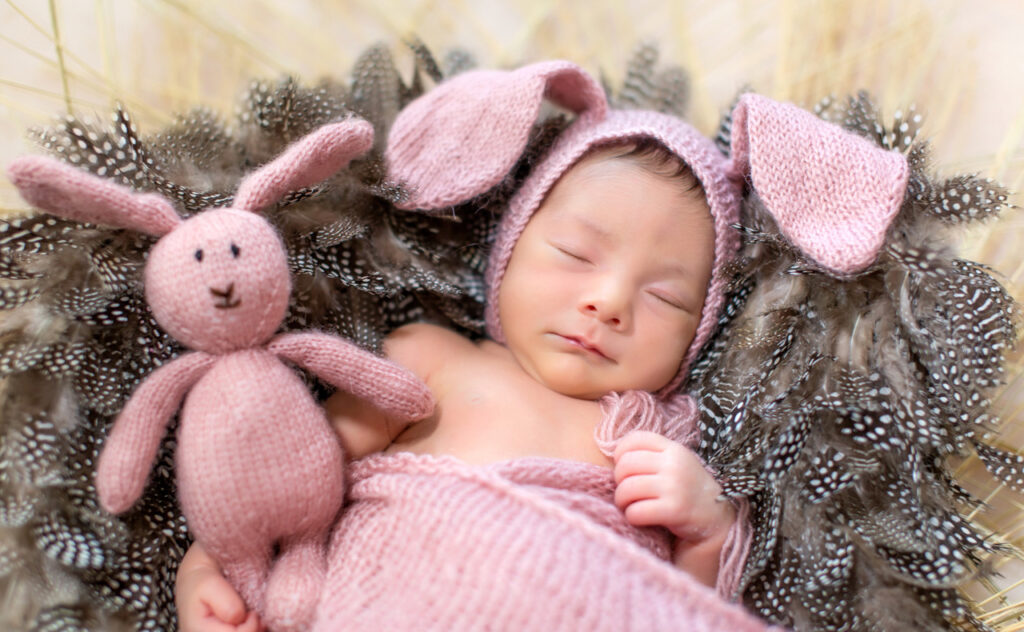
[
  {"x": 306, "y": 162},
  {"x": 51, "y": 185},
  {"x": 429, "y": 543},
  {"x": 623, "y": 413},
  {"x": 477, "y": 123},
  {"x": 832, "y": 193}
]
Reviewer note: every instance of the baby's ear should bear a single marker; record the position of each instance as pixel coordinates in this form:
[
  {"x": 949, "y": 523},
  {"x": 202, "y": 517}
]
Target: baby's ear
[
  {"x": 308, "y": 161},
  {"x": 65, "y": 191},
  {"x": 462, "y": 138},
  {"x": 832, "y": 193}
]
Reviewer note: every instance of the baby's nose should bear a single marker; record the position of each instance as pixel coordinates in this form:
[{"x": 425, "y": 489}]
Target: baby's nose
[
  {"x": 603, "y": 314},
  {"x": 610, "y": 305}
]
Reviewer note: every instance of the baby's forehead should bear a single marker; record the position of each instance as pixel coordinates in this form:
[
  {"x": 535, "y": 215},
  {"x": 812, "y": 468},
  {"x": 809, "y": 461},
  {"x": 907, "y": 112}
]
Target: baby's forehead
[
  {"x": 622, "y": 204},
  {"x": 612, "y": 172},
  {"x": 641, "y": 157}
]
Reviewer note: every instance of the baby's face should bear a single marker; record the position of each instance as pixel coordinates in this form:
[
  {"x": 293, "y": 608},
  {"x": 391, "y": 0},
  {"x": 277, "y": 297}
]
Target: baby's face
[{"x": 604, "y": 289}]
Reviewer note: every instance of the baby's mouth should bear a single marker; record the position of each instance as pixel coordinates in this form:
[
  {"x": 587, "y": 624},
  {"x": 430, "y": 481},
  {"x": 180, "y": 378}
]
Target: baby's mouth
[{"x": 585, "y": 345}]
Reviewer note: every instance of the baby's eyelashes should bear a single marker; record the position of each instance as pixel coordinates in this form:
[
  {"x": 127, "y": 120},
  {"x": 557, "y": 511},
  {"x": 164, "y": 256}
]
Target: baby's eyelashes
[
  {"x": 572, "y": 253},
  {"x": 669, "y": 300}
]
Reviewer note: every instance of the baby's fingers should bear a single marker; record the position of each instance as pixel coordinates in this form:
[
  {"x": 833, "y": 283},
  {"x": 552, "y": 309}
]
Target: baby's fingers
[
  {"x": 222, "y": 602},
  {"x": 252, "y": 623},
  {"x": 639, "y": 488},
  {"x": 636, "y": 463},
  {"x": 641, "y": 440},
  {"x": 650, "y": 512}
]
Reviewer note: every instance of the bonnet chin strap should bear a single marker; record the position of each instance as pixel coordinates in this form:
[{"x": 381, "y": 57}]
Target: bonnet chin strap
[
  {"x": 832, "y": 193},
  {"x": 463, "y": 137}
]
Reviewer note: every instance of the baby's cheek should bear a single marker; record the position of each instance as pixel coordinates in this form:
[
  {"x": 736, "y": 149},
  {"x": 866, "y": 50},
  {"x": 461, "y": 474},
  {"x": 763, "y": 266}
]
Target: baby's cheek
[{"x": 661, "y": 352}]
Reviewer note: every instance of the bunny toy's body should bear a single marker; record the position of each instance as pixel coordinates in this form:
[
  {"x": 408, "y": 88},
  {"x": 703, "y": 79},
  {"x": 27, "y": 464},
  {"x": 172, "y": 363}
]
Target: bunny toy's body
[
  {"x": 273, "y": 421},
  {"x": 259, "y": 468}
]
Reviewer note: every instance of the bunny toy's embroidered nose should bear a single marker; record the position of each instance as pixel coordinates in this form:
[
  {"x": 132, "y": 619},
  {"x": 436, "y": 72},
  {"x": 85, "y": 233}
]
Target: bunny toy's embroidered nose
[{"x": 226, "y": 295}]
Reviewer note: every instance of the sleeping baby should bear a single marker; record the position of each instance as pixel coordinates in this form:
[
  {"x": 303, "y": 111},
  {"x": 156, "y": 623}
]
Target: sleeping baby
[{"x": 605, "y": 279}]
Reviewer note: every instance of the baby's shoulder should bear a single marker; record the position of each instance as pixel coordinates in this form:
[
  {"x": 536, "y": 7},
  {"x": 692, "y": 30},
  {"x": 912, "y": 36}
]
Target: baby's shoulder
[
  {"x": 423, "y": 335},
  {"x": 425, "y": 349}
]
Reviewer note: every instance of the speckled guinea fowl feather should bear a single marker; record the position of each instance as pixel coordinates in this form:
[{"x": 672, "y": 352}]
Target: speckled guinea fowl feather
[{"x": 841, "y": 406}]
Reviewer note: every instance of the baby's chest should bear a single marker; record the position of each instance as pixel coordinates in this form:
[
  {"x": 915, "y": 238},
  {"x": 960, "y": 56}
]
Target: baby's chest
[{"x": 494, "y": 413}]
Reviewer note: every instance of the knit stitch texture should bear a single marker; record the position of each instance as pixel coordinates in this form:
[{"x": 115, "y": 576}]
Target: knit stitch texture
[
  {"x": 429, "y": 543},
  {"x": 473, "y": 128},
  {"x": 832, "y": 193}
]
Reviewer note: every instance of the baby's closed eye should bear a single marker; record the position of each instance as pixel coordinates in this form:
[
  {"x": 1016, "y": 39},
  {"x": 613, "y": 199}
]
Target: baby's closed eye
[
  {"x": 573, "y": 253},
  {"x": 576, "y": 256},
  {"x": 668, "y": 299}
]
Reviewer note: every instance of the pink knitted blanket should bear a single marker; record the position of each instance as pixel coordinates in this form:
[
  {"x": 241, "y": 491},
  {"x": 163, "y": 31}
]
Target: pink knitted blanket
[{"x": 430, "y": 543}]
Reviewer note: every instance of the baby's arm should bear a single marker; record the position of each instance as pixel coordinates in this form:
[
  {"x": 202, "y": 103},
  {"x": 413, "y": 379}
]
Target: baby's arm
[
  {"x": 661, "y": 482},
  {"x": 365, "y": 429},
  {"x": 206, "y": 602}
]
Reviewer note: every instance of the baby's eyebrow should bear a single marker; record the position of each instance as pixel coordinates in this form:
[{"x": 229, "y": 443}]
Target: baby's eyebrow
[
  {"x": 597, "y": 230},
  {"x": 677, "y": 268}
]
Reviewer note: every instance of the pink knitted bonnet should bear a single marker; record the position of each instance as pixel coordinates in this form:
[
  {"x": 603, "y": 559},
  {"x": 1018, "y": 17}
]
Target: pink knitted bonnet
[
  {"x": 620, "y": 127},
  {"x": 485, "y": 135},
  {"x": 832, "y": 193}
]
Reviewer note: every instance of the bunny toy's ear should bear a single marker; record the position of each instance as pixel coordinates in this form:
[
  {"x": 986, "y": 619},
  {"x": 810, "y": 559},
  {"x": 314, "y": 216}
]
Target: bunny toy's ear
[
  {"x": 308, "y": 161},
  {"x": 462, "y": 138},
  {"x": 832, "y": 193},
  {"x": 65, "y": 191}
]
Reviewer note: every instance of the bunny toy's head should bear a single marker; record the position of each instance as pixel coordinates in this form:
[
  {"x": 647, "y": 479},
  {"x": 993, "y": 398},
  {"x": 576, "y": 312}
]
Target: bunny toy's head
[{"x": 219, "y": 281}]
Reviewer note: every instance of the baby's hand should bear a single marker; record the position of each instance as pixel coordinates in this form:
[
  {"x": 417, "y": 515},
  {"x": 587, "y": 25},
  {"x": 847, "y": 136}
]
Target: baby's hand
[
  {"x": 662, "y": 482},
  {"x": 206, "y": 602}
]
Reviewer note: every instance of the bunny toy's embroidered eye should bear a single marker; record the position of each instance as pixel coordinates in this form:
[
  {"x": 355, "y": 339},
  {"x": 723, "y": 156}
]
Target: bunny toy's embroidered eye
[
  {"x": 235, "y": 250},
  {"x": 199, "y": 254}
]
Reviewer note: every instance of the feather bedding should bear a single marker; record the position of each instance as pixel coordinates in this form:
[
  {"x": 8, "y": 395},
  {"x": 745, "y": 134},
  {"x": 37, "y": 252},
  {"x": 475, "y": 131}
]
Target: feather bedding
[{"x": 845, "y": 403}]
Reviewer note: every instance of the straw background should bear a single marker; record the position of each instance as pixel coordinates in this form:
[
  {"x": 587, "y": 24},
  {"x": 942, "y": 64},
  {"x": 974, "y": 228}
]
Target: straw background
[{"x": 961, "y": 63}]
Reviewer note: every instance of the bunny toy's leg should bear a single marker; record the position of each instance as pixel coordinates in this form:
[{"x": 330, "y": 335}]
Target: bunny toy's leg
[
  {"x": 293, "y": 587},
  {"x": 246, "y": 570}
]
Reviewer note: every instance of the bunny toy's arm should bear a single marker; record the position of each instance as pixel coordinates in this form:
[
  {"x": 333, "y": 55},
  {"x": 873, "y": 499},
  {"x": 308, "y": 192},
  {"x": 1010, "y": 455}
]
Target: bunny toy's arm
[
  {"x": 132, "y": 445},
  {"x": 391, "y": 388}
]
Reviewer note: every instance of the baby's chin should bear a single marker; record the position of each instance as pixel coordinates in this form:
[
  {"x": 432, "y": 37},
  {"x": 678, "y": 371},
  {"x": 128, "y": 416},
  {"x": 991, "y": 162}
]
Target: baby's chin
[
  {"x": 586, "y": 387},
  {"x": 570, "y": 375}
]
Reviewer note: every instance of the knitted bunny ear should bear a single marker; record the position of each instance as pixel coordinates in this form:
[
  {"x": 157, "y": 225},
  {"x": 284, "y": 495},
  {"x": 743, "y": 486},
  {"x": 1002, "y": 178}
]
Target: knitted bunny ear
[
  {"x": 833, "y": 194},
  {"x": 65, "y": 191},
  {"x": 308, "y": 161},
  {"x": 461, "y": 138}
]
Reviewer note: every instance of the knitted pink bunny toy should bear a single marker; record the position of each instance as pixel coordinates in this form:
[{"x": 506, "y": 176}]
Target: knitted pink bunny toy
[{"x": 258, "y": 464}]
